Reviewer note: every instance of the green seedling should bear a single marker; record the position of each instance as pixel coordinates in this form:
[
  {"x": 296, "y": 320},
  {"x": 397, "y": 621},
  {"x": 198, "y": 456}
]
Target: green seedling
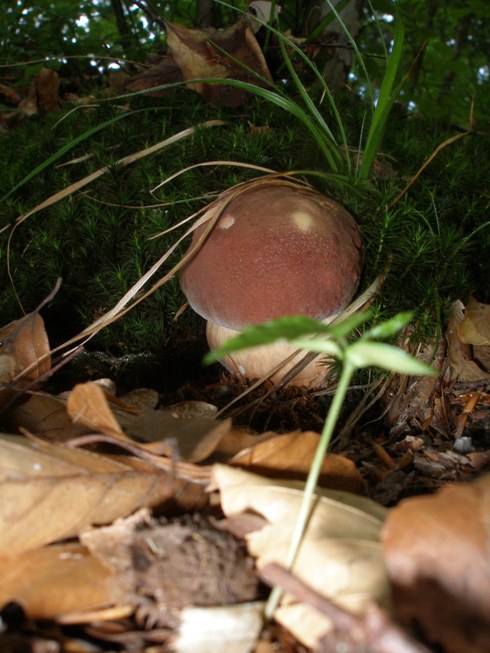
[{"x": 333, "y": 341}]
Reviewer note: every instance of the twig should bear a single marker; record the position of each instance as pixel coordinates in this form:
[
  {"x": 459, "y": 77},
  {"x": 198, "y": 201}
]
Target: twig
[{"x": 375, "y": 630}]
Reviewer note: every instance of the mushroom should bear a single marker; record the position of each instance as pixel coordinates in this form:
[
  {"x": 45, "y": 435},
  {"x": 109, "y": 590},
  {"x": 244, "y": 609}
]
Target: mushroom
[{"x": 278, "y": 248}]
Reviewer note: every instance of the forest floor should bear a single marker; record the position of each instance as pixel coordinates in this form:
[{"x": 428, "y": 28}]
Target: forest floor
[{"x": 147, "y": 503}]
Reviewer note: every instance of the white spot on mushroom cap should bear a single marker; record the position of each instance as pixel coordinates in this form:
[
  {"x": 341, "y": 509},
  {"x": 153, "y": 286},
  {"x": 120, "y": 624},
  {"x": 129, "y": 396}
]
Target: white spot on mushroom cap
[
  {"x": 302, "y": 220},
  {"x": 226, "y": 222}
]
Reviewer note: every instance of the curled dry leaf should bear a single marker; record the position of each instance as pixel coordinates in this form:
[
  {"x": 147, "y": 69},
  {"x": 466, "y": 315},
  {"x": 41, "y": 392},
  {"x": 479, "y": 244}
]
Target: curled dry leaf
[
  {"x": 461, "y": 362},
  {"x": 437, "y": 551},
  {"x": 87, "y": 404},
  {"x": 474, "y": 329},
  {"x": 220, "y": 54},
  {"x": 50, "y": 492},
  {"x": 24, "y": 349},
  {"x": 292, "y": 454},
  {"x": 47, "y": 83},
  {"x": 340, "y": 555}
]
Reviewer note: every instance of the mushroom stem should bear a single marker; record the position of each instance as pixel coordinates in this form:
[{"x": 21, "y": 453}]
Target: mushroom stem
[{"x": 273, "y": 361}]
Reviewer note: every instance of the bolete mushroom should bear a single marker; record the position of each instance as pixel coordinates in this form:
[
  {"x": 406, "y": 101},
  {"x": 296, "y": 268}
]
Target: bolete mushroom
[{"x": 278, "y": 248}]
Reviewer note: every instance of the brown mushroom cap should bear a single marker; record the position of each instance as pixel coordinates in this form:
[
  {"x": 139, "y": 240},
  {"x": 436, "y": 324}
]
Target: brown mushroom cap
[{"x": 276, "y": 250}]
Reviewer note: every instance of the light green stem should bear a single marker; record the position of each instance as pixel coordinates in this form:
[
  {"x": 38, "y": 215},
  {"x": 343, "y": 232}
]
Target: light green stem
[{"x": 313, "y": 475}]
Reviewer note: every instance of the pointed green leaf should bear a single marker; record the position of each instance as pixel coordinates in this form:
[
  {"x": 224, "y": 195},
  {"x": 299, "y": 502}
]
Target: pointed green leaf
[
  {"x": 390, "y": 327},
  {"x": 320, "y": 345},
  {"x": 387, "y": 357},
  {"x": 348, "y": 324}
]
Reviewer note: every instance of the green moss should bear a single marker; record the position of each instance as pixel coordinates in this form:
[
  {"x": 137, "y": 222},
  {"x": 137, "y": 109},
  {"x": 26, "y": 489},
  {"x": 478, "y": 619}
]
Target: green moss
[{"x": 97, "y": 239}]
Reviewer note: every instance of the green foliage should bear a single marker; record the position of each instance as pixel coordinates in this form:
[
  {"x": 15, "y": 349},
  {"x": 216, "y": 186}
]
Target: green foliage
[
  {"x": 454, "y": 65},
  {"x": 335, "y": 148},
  {"x": 435, "y": 237}
]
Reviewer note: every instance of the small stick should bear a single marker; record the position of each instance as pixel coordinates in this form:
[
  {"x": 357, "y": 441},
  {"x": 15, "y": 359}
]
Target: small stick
[{"x": 375, "y": 629}]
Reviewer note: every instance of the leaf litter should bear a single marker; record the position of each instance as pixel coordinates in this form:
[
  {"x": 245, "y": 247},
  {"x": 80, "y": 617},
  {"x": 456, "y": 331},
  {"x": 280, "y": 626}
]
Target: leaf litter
[{"x": 99, "y": 493}]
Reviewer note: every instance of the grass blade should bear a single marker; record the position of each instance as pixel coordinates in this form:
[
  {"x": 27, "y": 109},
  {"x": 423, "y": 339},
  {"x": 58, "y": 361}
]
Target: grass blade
[
  {"x": 66, "y": 148},
  {"x": 385, "y": 102}
]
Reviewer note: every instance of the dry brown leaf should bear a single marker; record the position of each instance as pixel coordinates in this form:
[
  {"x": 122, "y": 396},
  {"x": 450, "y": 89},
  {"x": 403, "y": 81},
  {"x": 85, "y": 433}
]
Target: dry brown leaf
[
  {"x": 50, "y": 492},
  {"x": 437, "y": 551},
  {"x": 44, "y": 415},
  {"x": 340, "y": 555},
  {"x": 24, "y": 348},
  {"x": 87, "y": 405},
  {"x": 188, "y": 439},
  {"x": 47, "y": 84},
  {"x": 163, "y": 70},
  {"x": 292, "y": 454},
  {"x": 238, "y": 439},
  {"x": 460, "y": 356},
  {"x": 53, "y": 580},
  {"x": 163, "y": 432},
  {"x": 475, "y": 326},
  {"x": 474, "y": 330},
  {"x": 263, "y": 9},
  {"x": 203, "y": 54}
]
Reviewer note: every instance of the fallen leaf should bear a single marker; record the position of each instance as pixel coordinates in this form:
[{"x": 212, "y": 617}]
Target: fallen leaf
[
  {"x": 44, "y": 415},
  {"x": 164, "y": 433},
  {"x": 49, "y": 492},
  {"x": 462, "y": 366},
  {"x": 161, "y": 432},
  {"x": 474, "y": 329},
  {"x": 291, "y": 456},
  {"x": 38, "y": 581},
  {"x": 24, "y": 349},
  {"x": 231, "y": 53},
  {"x": 437, "y": 551},
  {"x": 160, "y": 72},
  {"x": 264, "y": 10},
  {"x": 87, "y": 405},
  {"x": 47, "y": 84},
  {"x": 237, "y": 439},
  {"x": 340, "y": 555}
]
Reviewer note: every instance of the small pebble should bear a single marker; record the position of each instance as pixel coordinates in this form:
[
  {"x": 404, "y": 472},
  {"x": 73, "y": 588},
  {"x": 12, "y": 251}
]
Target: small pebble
[{"x": 463, "y": 445}]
